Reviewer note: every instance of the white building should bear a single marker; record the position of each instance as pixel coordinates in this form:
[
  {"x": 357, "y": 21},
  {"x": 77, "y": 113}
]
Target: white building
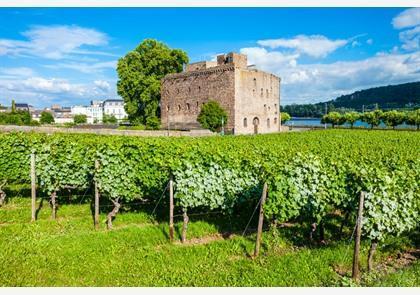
[
  {"x": 114, "y": 107},
  {"x": 98, "y": 108}
]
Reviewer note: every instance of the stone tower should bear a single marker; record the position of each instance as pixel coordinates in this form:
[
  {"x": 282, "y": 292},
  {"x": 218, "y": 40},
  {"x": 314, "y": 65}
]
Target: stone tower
[{"x": 250, "y": 97}]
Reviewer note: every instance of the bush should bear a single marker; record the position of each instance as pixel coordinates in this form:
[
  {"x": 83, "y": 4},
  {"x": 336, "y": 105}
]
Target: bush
[
  {"x": 152, "y": 123},
  {"x": 80, "y": 119},
  {"x": 46, "y": 118},
  {"x": 284, "y": 117},
  {"x": 109, "y": 119},
  {"x": 212, "y": 115}
]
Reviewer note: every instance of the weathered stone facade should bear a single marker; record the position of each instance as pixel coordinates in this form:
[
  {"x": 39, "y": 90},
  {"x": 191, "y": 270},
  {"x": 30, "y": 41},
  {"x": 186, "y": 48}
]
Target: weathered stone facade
[{"x": 250, "y": 97}]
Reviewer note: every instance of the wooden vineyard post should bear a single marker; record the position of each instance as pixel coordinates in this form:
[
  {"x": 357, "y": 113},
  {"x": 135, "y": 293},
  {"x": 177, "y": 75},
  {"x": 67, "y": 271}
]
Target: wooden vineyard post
[
  {"x": 33, "y": 187},
  {"x": 260, "y": 221},
  {"x": 356, "y": 274},
  {"x": 96, "y": 198},
  {"x": 171, "y": 210}
]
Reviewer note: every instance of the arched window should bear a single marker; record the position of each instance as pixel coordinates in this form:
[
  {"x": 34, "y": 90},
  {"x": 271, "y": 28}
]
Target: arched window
[
  {"x": 199, "y": 88},
  {"x": 262, "y": 92},
  {"x": 197, "y": 105},
  {"x": 255, "y": 82},
  {"x": 188, "y": 106},
  {"x": 245, "y": 122},
  {"x": 275, "y": 121},
  {"x": 268, "y": 123},
  {"x": 179, "y": 107},
  {"x": 265, "y": 108}
]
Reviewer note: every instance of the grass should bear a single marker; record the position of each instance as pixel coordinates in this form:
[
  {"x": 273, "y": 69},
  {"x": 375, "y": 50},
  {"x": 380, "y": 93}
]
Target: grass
[{"x": 69, "y": 252}]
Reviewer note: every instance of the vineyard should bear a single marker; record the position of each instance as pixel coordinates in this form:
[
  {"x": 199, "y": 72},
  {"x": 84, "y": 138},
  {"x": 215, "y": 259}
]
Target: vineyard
[{"x": 313, "y": 181}]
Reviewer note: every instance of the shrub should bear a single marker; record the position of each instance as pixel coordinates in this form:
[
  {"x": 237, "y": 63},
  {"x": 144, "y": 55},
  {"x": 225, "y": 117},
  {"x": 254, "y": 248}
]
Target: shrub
[
  {"x": 80, "y": 119},
  {"x": 46, "y": 118},
  {"x": 109, "y": 119},
  {"x": 152, "y": 123},
  {"x": 284, "y": 117},
  {"x": 212, "y": 115}
]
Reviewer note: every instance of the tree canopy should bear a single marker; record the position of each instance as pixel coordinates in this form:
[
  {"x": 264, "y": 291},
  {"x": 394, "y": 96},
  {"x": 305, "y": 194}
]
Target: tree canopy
[{"x": 140, "y": 72}]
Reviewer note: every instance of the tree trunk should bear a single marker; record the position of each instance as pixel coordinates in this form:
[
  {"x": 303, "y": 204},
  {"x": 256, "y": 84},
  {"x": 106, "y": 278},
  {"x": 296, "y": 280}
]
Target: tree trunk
[
  {"x": 113, "y": 213},
  {"x": 54, "y": 204},
  {"x": 372, "y": 251},
  {"x": 184, "y": 228},
  {"x": 2, "y": 197}
]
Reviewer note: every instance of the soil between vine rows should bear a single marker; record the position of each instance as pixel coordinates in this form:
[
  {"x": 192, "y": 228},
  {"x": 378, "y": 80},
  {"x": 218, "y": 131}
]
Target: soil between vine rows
[{"x": 137, "y": 252}]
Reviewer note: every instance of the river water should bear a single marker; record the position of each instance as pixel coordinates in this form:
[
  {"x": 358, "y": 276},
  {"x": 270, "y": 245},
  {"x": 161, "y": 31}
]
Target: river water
[{"x": 315, "y": 122}]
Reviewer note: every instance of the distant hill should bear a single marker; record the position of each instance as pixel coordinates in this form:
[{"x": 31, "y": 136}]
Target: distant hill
[
  {"x": 385, "y": 97},
  {"x": 391, "y": 96}
]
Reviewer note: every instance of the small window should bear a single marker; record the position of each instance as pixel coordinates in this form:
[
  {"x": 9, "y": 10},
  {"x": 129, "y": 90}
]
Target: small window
[
  {"x": 255, "y": 82},
  {"x": 179, "y": 107},
  {"x": 199, "y": 88},
  {"x": 262, "y": 92},
  {"x": 265, "y": 108},
  {"x": 275, "y": 121},
  {"x": 268, "y": 123},
  {"x": 197, "y": 104},
  {"x": 245, "y": 122},
  {"x": 188, "y": 106}
]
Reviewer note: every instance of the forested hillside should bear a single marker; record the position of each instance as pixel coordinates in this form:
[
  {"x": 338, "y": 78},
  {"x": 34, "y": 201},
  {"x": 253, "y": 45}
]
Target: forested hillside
[{"x": 385, "y": 97}]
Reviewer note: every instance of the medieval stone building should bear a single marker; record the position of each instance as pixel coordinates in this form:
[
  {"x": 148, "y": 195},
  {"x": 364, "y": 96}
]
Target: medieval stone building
[{"x": 250, "y": 97}]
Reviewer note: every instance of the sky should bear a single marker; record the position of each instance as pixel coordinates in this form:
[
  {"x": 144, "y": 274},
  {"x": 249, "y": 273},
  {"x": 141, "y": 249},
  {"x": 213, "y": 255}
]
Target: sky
[{"x": 68, "y": 56}]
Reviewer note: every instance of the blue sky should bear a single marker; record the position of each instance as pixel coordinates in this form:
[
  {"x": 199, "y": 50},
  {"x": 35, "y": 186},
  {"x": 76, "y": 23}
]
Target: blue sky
[{"x": 68, "y": 55}]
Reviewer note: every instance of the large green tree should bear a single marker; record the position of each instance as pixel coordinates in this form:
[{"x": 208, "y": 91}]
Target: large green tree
[{"x": 140, "y": 72}]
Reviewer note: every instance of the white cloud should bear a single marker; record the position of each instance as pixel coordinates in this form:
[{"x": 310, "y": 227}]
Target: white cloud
[
  {"x": 53, "y": 42},
  {"x": 410, "y": 39},
  {"x": 406, "y": 19},
  {"x": 41, "y": 92},
  {"x": 87, "y": 68},
  {"x": 308, "y": 83},
  {"x": 313, "y": 45},
  {"x": 269, "y": 60},
  {"x": 102, "y": 85},
  {"x": 17, "y": 72}
]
